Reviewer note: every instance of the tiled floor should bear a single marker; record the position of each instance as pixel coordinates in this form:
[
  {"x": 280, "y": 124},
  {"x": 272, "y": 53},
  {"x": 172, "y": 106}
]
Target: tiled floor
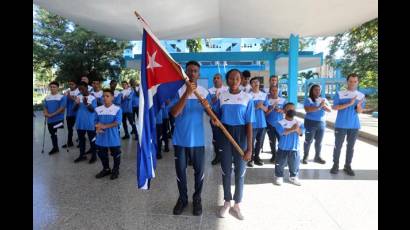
[{"x": 67, "y": 196}]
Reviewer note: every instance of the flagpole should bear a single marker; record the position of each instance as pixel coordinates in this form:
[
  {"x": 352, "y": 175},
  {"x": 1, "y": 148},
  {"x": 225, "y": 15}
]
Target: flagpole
[{"x": 188, "y": 84}]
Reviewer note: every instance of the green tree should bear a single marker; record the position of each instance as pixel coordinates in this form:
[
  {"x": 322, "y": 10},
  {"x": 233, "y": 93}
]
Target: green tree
[
  {"x": 128, "y": 74},
  {"x": 194, "y": 45},
  {"x": 282, "y": 44},
  {"x": 308, "y": 75},
  {"x": 71, "y": 49},
  {"x": 360, "y": 52}
]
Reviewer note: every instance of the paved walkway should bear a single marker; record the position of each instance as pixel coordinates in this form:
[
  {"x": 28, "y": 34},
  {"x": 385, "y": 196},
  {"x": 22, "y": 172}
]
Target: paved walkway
[
  {"x": 369, "y": 125},
  {"x": 67, "y": 196}
]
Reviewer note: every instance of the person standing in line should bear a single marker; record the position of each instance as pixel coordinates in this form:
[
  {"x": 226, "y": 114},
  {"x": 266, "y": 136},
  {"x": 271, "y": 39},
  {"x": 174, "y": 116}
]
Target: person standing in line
[
  {"x": 315, "y": 123},
  {"x": 348, "y": 103}
]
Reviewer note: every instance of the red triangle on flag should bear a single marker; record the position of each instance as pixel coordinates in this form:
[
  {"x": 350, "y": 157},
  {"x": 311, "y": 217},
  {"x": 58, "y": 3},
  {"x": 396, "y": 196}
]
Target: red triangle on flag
[{"x": 159, "y": 67}]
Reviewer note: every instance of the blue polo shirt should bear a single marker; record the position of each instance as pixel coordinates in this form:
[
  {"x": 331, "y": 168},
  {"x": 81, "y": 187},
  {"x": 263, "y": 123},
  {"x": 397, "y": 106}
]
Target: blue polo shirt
[
  {"x": 235, "y": 109},
  {"x": 70, "y": 103},
  {"x": 53, "y": 103},
  {"x": 260, "y": 118},
  {"x": 126, "y": 100},
  {"x": 290, "y": 141},
  {"x": 348, "y": 118},
  {"x": 85, "y": 120},
  {"x": 159, "y": 116},
  {"x": 98, "y": 96},
  {"x": 189, "y": 128},
  {"x": 107, "y": 115},
  {"x": 135, "y": 99},
  {"x": 117, "y": 98},
  {"x": 274, "y": 116},
  {"x": 318, "y": 115}
]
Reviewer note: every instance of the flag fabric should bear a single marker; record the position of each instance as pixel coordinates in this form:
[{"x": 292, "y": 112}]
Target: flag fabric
[{"x": 161, "y": 77}]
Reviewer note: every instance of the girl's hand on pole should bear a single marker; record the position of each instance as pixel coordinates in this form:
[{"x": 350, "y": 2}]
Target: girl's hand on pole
[{"x": 248, "y": 155}]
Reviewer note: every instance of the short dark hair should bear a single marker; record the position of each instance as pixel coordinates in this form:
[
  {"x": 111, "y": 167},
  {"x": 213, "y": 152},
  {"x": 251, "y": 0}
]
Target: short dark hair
[
  {"x": 72, "y": 80},
  {"x": 287, "y": 104},
  {"x": 352, "y": 75},
  {"x": 124, "y": 82},
  {"x": 254, "y": 78},
  {"x": 108, "y": 91},
  {"x": 192, "y": 62},
  {"x": 229, "y": 72},
  {"x": 217, "y": 74},
  {"x": 113, "y": 81},
  {"x": 82, "y": 83},
  {"x": 54, "y": 83},
  {"x": 246, "y": 74},
  {"x": 273, "y": 76}
]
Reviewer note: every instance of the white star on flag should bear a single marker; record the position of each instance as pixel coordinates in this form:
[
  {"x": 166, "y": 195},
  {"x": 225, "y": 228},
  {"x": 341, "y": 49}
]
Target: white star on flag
[{"x": 151, "y": 61}]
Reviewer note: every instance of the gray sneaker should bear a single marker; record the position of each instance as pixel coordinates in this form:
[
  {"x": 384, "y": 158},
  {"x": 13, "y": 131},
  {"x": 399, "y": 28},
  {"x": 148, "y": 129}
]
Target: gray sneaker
[
  {"x": 278, "y": 181},
  {"x": 222, "y": 212},
  {"x": 236, "y": 212},
  {"x": 295, "y": 181}
]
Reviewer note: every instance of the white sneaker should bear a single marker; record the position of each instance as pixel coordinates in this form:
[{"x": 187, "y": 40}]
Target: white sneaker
[
  {"x": 278, "y": 181},
  {"x": 236, "y": 212},
  {"x": 224, "y": 210},
  {"x": 295, "y": 181}
]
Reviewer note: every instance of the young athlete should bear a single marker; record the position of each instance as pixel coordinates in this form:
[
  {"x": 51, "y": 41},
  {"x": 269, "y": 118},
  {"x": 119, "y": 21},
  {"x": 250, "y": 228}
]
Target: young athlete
[
  {"x": 108, "y": 118},
  {"x": 289, "y": 130},
  {"x": 71, "y": 95},
  {"x": 85, "y": 105},
  {"x": 54, "y": 107},
  {"x": 237, "y": 113}
]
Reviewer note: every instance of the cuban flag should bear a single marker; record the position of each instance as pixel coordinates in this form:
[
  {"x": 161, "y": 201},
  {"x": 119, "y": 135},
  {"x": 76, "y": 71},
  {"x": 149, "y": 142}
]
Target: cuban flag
[{"x": 161, "y": 77}]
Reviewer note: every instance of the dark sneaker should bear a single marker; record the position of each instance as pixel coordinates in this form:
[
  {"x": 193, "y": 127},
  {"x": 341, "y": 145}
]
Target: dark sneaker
[
  {"x": 250, "y": 163},
  {"x": 197, "y": 211},
  {"x": 159, "y": 156},
  {"x": 67, "y": 145},
  {"x": 304, "y": 160},
  {"x": 88, "y": 151},
  {"x": 348, "y": 170},
  {"x": 258, "y": 162},
  {"x": 319, "y": 160},
  {"x": 78, "y": 146},
  {"x": 132, "y": 132},
  {"x": 126, "y": 137},
  {"x": 334, "y": 169},
  {"x": 215, "y": 161},
  {"x": 103, "y": 173},
  {"x": 53, "y": 151},
  {"x": 166, "y": 149},
  {"x": 92, "y": 160},
  {"x": 114, "y": 175},
  {"x": 179, "y": 207},
  {"x": 272, "y": 160},
  {"x": 80, "y": 158}
]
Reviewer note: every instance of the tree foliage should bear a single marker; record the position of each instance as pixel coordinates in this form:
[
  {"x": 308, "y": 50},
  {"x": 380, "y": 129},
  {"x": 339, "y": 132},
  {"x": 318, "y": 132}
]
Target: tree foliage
[
  {"x": 282, "y": 44},
  {"x": 194, "y": 45},
  {"x": 72, "y": 50},
  {"x": 360, "y": 48}
]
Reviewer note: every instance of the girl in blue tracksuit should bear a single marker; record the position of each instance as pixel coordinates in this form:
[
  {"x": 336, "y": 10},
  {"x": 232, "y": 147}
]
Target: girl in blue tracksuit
[{"x": 237, "y": 113}]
